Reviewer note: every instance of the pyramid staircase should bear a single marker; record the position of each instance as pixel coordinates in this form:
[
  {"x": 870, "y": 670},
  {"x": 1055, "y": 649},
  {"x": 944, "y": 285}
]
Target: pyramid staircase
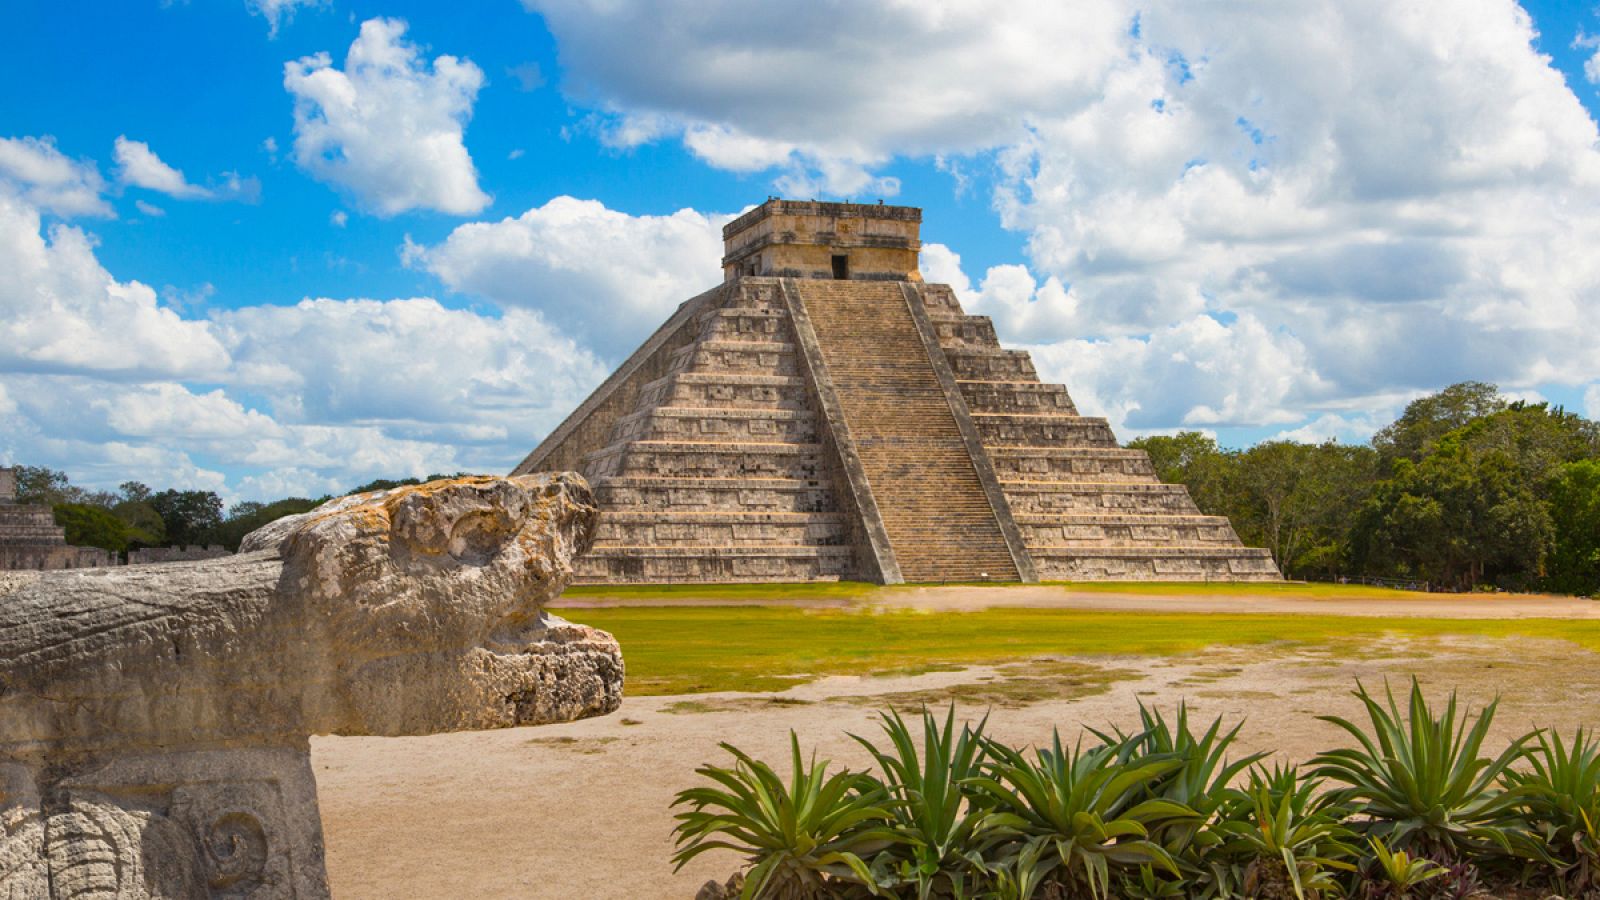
[{"x": 938, "y": 518}]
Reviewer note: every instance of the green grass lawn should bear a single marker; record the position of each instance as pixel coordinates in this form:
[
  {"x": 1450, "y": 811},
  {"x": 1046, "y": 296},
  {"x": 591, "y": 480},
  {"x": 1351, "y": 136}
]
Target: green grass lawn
[
  {"x": 858, "y": 591},
  {"x": 737, "y": 648}
]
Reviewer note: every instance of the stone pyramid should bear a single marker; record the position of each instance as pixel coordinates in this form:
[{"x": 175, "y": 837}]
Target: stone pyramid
[{"x": 823, "y": 414}]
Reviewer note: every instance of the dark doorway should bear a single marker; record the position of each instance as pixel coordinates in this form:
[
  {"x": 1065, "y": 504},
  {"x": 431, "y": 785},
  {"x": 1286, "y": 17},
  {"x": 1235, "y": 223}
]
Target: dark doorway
[{"x": 841, "y": 267}]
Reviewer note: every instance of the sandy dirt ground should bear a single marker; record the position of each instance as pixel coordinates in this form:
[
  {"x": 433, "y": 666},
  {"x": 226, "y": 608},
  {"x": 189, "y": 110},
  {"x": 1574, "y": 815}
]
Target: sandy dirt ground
[{"x": 582, "y": 810}]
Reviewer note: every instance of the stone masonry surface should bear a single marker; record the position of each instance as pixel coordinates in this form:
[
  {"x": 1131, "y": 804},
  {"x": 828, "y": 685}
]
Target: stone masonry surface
[{"x": 792, "y": 426}]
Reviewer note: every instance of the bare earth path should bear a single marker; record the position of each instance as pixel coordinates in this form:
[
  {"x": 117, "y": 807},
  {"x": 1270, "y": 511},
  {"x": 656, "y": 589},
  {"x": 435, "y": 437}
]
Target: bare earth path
[{"x": 581, "y": 810}]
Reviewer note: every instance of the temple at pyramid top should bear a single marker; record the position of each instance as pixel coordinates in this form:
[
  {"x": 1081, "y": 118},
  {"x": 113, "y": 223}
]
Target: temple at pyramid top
[
  {"x": 823, "y": 414},
  {"x": 808, "y": 239}
]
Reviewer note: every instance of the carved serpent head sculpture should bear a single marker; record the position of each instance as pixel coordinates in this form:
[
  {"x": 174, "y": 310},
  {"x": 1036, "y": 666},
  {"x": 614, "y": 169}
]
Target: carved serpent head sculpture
[{"x": 167, "y": 706}]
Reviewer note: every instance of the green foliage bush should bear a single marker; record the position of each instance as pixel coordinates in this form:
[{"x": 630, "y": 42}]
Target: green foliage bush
[
  {"x": 1413, "y": 807},
  {"x": 1464, "y": 489}
]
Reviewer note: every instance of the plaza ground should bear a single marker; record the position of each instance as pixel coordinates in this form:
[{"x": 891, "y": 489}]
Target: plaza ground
[{"x": 581, "y": 810}]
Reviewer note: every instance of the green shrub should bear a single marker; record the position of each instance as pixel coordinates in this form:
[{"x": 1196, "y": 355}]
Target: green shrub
[
  {"x": 1156, "y": 814},
  {"x": 939, "y": 830},
  {"x": 1560, "y": 802},
  {"x": 1289, "y": 832},
  {"x": 1078, "y": 817},
  {"x": 1421, "y": 782},
  {"x": 802, "y": 839},
  {"x": 1201, "y": 783},
  {"x": 1398, "y": 874}
]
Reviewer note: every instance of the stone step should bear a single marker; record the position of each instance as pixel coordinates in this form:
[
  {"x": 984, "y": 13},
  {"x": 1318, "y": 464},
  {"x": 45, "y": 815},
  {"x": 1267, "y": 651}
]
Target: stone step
[
  {"x": 934, "y": 511},
  {"x": 654, "y": 528},
  {"x": 747, "y": 357},
  {"x": 1039, "y": 497},
  {"x": 725, "y": 389},
  {"x": 966, "y": 331},
  {"x": 706, "y": 459},
  {"x": 743, "y": 324},
  {"x": 940, "y": 302},
  {"x": 668, "y": 423},
  {"x": 990, "y": 364},
  {"x": 756, "y": 293},
  {"x": 1017, "y": 397},
  {"x": 1156, "y": 564},
  {"x": 640, "y": 492},
  {"x": 618, "y": 564},
  {"x": 1111, "y": 529},
  {"x": 1043, "y": 430},
  {"x": 1072, "y": 464}
]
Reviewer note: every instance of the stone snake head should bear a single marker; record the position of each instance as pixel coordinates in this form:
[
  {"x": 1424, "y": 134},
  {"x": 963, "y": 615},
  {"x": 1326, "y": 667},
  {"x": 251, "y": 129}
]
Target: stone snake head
[{"x": 408, "y": 611}]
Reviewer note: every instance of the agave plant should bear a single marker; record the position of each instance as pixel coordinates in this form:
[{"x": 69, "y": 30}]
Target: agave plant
[
  {"x": 1201, "y": 783},
  {"x": 1289, "y": 832},
  {"x": 1421, "y": 782},
  {"x": 1561, "y": 802},
  {"x": 803, "y": 840},
  {"x": 1081, "y": 816},
  {"x": 929, "y": 797},
  {"x": 1398, "y": 872}
]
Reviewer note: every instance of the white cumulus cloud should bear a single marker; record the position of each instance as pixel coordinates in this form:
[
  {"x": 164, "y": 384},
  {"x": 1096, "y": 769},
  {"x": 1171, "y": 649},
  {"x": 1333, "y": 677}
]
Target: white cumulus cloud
[
  {"x": 61, "y": 311},
  {"x": 827, "y": 90},
  {"x": 603, "y": 276},
  {"x": 388, "y": 128},
  {"x": 45, "y": 178},
  {"x": 1322, "y": 188},
  {"x": 101, "y": 379},
  {"x": 141, "y": 167}
]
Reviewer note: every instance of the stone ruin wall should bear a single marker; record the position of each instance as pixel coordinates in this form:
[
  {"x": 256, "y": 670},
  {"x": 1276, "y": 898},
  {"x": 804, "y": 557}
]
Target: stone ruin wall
[
  {"x": 31, "y": 539},
  {"x": 148, "y": 555}
]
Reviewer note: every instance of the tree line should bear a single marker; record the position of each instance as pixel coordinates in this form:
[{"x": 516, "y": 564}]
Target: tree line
[
  {"x": 1465, "y": 490},
  {"x": 134, "y": 516}
]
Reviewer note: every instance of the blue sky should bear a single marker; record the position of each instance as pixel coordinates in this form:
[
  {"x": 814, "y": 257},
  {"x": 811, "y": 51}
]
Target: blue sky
[{"x": 1265, "y": 224}]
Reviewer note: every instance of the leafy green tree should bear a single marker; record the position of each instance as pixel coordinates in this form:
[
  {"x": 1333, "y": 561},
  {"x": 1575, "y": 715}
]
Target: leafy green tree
[
  {"x": 1194, "y": 460},
  {"x": 249, "y": 515},
  {"x": 1298, "y": 501},
  {"x": 37, "y": 484},
  {"x": 1476, "y": 506},
  {"x": 190, "y": 517},
  {"x": 145, "y": 526},
  {"x": 91, "y": 526},
  {"x": 1574, "y": 563},
  {"x": 384, "y": 484},
  {"x": 1427, "y": 419}
]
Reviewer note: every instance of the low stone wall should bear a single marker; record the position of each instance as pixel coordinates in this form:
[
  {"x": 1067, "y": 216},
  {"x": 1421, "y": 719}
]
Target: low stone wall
[
  {"x": 175, "y": 554},
  {"x": 53, "y": 556}
]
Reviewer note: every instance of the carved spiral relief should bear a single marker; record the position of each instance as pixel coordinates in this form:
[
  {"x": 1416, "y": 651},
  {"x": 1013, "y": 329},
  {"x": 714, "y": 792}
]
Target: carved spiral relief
[{"x": 236, "y": 851}]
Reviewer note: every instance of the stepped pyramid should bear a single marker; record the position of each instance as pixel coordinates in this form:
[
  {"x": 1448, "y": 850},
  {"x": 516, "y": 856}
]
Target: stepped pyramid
[{"x": 823, "y": 414}]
